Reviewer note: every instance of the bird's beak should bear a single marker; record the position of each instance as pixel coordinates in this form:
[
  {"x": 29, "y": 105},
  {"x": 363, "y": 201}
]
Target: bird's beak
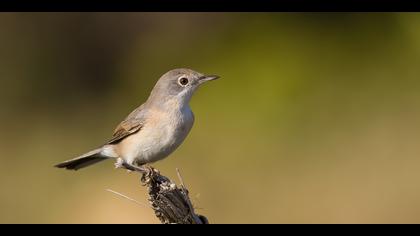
[{"x": 206, "y": 78}]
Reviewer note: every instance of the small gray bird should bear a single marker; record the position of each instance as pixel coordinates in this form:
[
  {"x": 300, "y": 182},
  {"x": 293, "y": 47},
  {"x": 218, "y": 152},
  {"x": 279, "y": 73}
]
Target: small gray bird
[{"x": 153, "y": 130}]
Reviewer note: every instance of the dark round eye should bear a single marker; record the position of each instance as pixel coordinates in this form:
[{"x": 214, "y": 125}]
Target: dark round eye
[{"x": 183, "y": 81}]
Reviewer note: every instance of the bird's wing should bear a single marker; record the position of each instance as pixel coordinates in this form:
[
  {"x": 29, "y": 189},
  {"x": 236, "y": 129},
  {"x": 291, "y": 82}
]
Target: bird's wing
[{"x": 132, "y": 124}]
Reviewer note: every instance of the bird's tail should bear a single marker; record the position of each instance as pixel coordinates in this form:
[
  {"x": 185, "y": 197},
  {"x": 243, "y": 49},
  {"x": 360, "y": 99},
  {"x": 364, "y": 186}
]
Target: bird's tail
[{"x": 84, "y": 160}]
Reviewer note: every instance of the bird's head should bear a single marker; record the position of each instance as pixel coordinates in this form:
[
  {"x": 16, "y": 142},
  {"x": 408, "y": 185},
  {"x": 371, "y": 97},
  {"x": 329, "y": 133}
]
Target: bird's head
[{"x": 179, "y": 85}]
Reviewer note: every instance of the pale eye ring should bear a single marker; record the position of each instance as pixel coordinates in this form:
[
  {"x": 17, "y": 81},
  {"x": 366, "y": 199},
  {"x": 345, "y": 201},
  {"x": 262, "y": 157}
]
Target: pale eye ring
[{"x": 183, "y": 81}]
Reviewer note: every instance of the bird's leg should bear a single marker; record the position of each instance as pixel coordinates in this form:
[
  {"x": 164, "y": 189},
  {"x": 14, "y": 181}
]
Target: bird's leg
[
  {"x": 121, "y": 163},
  {"x": 142, "y": 168},
  {"x": 147, "y": 171}
]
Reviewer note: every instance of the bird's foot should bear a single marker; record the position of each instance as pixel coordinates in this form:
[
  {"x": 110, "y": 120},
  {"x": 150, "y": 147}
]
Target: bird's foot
[{"x": 148, "y": 172}]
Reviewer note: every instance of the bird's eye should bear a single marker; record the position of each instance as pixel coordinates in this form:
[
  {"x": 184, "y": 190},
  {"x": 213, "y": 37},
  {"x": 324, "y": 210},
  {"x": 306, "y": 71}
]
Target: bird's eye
[{"x": 183, "y": 81}]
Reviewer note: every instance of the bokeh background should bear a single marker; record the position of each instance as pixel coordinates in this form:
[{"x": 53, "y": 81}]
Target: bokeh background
[{"x": 315, "y": 119}]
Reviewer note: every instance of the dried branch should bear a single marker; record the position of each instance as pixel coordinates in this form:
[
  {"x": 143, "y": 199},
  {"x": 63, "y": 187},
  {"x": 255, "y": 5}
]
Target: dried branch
[{"x": 171, "y": 203}]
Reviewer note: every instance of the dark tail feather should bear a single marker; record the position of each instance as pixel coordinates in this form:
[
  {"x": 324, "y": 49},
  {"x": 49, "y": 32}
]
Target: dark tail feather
[{"x": 84, "y": 160}]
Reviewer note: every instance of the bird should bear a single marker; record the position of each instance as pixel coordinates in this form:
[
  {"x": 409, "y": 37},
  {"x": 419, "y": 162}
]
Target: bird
[{"x": 155, "y": 129}]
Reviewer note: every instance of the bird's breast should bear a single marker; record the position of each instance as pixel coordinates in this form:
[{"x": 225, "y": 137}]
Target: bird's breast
[{"x": 161, "y": 135}]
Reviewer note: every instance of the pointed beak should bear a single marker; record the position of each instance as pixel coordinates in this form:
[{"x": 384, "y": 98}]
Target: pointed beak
[{"x": 206, "y": 78}]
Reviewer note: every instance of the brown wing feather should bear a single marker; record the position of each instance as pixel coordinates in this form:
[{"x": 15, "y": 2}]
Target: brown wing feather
[
  {"x": 132, "y": 124},
  {"x": 125, "y": 129}
]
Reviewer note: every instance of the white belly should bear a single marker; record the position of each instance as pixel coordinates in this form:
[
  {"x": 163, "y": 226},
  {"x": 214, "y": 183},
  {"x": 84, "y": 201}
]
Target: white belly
[{"x": 159, "y": 137}]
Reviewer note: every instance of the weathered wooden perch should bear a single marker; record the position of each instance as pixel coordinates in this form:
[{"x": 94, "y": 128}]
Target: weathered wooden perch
[{"x": 171, "y": 203}]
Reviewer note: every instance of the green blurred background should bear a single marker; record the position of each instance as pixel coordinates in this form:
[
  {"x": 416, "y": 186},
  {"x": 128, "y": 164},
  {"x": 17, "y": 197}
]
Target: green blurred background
[{"x": 315, "y": 119}]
